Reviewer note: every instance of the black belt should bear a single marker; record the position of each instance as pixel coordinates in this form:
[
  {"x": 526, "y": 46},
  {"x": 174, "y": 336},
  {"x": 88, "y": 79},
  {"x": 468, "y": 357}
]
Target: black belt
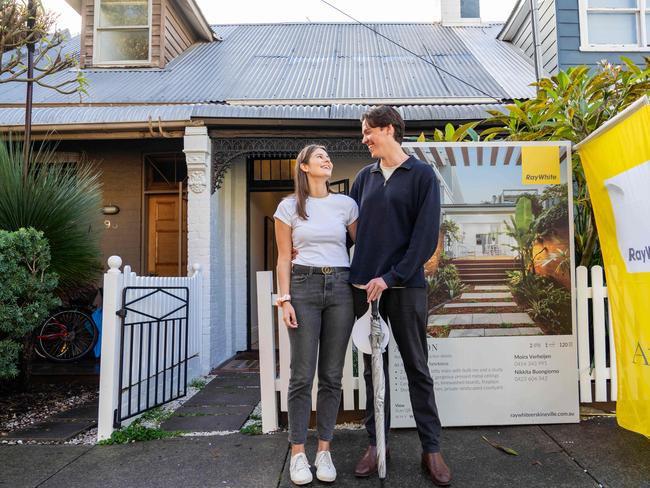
[{"x": 324, "y": 270}]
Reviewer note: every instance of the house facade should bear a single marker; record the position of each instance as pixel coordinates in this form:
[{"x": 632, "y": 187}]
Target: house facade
[
  {"x": 195, "y": 127},
  {"x": 564, "y": 33}
]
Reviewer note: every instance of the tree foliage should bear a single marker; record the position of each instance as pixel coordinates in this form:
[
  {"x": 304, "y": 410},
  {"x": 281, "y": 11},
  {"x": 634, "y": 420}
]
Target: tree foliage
[
  {"x": 16, "y": 35},
  {"x": 26, "y": 295},
  {"x": 568, "y": 106},
  {"x": 521, "y": 229}
]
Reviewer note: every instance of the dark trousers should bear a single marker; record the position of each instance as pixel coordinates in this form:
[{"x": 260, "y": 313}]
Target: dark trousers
[
  {"x": 323, "y": 305},
  {"x": 405, "y": 310}
]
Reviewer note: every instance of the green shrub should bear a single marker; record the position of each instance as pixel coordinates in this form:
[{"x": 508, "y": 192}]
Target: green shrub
[
  {"x": 553, "y": 307},
  {"x": 254, "y": 428},
  {"x": 198, "y": 383},
  {"x": 514, "y": 279},
  {"x": 546, "y": 300},
  {"x": 556, "y": 214},
  {"x": 444, "y": 284},
  {"x": 451, "y": 231},
  {"x": 136, "y": 432},
  {"x": 526, "y": 287},
  {"x": 26, "y": 295},
  {"x": 62, "y": 201},
  {"x": 156, "y": 415}
]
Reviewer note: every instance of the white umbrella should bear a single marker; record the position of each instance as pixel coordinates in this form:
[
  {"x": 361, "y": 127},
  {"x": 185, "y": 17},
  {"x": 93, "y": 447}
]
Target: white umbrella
[{"x": 379, "y": 386}]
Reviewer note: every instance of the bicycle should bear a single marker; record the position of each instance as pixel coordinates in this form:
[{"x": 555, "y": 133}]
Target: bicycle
[{"x": 69, "y": 334}]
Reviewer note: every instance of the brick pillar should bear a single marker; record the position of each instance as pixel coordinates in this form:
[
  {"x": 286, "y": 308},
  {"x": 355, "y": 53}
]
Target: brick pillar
[{"x": 200, "y": 218}]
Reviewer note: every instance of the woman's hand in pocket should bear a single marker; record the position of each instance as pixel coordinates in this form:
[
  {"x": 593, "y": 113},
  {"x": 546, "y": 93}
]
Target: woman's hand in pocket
[{"x": 289, "y": 315}]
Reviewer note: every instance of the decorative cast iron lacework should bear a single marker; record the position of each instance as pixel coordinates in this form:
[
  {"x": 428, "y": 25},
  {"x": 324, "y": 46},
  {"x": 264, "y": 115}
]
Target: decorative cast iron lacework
[{"x": 225, "y": 151}]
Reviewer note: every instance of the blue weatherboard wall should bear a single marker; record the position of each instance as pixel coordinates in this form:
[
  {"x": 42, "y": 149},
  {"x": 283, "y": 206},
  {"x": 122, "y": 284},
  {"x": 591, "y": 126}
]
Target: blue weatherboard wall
[{"x": 568, "y": 37}]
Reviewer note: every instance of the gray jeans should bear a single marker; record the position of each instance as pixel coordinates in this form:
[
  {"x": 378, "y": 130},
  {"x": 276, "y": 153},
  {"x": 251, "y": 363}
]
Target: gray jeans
[{"x": 325, "y": 316}]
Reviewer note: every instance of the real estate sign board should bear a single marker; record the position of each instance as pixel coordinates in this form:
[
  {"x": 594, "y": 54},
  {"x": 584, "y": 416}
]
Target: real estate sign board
[{"x": 501, "y": 334}]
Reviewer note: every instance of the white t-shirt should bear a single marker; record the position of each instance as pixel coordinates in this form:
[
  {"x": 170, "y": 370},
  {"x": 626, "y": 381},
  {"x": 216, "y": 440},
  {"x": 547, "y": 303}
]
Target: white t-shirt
[
  {"x": 388, "y": 172},
  {"x": 320, "y": 240}
]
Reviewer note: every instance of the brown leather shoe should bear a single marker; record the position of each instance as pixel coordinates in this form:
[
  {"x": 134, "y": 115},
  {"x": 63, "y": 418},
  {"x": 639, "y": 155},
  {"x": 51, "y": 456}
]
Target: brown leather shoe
[
  {"x": 367, "y": 465},
  {"x": 436, "y": 467}
]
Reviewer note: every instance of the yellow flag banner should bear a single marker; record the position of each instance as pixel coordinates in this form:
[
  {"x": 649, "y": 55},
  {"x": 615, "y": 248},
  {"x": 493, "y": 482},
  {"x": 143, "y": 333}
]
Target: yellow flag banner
[{"x": 616, "y": 161}]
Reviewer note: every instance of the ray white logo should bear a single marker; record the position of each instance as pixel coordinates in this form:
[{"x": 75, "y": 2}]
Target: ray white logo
[
  {"x": 638, "y": 254},
  {"x": 628, "y": 193}
]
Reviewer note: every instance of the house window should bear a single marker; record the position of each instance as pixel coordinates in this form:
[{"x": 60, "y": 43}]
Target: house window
[
  {"x": 122, "y": 35},
  {"x": 67, "y": 162},
  {"x": 470, "y": 9},
  {"x": 164, "y": 171},
  {"x": 614, "y": 25},
  {"x": 267, "y": 174}
]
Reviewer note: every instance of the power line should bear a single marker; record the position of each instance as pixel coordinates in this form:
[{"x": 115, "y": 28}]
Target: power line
[{"x": 498, "y": 100}]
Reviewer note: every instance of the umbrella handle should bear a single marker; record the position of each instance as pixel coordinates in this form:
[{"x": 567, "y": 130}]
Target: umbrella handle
[{"x": 375, "y": 309}]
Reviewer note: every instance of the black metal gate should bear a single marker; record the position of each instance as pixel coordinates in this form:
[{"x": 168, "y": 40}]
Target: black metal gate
[{"x": 153, "y": 348}]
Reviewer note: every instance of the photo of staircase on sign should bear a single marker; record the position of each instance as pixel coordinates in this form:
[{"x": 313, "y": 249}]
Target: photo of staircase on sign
[
  {"x": 480, "y": 297},
  {"x": 503, "y": 262},
  {"x": 502, "y": 274},
  {"x": 486, "y": 270},
  {"x": 486, "y": 307}
]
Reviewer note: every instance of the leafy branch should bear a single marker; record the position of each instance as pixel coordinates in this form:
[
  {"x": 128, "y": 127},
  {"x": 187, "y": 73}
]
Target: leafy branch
[
  {"x": 17, "y": 35},
  {"x": 568, "y": 106}
]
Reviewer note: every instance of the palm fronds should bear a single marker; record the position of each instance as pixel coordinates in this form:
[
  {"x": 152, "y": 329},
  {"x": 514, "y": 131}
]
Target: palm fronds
[{"x": 60, "y": 200}]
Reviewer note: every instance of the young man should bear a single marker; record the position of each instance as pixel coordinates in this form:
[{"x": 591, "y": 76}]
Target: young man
[{"x": 399, "y": 218}]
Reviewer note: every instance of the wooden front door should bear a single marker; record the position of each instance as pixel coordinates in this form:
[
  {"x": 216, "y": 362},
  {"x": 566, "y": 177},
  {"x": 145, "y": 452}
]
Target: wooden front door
[{"x": 166, "y": 235}]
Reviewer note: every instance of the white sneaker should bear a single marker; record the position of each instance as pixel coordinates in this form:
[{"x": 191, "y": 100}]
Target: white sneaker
[
  {"x": 325, "y": 470},
  {"x": 299, "y": 469}
]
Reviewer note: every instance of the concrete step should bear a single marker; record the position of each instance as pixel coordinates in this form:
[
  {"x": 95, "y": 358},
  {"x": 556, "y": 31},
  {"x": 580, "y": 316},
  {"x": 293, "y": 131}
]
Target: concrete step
[
  {"x": 482, "y": 274},
  {"x": 491, "y": 281},
  {"x": 485, "y": 266},
  {"x": 485, "y": 270},
  {"x": 479, "y": 261}
]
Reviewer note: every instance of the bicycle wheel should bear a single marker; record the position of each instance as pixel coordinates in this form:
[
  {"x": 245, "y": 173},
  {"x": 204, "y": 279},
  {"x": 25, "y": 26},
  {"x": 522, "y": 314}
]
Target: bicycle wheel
[{"x": 67, "y": 336}]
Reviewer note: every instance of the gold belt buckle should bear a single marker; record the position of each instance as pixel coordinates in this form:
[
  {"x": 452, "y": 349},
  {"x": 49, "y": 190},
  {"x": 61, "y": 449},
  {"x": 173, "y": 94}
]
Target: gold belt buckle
[{"x": 326, "y": 270}]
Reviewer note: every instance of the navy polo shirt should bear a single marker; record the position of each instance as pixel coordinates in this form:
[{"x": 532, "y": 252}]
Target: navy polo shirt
[{"x": 399, "y": 221}]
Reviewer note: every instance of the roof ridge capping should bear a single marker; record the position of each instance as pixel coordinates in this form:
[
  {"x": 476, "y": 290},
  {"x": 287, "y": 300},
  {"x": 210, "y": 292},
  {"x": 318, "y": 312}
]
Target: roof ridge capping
[{"x": 436, "y": 23}]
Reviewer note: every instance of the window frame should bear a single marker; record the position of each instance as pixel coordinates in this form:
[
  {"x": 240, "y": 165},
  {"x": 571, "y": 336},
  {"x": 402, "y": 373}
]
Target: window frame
[
  {"x": 97, "y": 29},
  {"x": 641, "y": 10},
  {"x": 270, "y": 184}
]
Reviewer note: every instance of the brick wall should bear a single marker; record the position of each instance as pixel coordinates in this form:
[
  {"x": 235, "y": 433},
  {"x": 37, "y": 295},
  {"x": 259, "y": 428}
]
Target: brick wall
[{"x": 120, "y": 165}]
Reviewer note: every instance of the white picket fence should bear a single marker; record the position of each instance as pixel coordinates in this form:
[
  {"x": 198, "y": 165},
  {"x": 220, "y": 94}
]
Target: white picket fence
[
  {"x": 274, "y": 350},
  {"x": 139, "y": 364},
  {"x": 602, "y": 335}
]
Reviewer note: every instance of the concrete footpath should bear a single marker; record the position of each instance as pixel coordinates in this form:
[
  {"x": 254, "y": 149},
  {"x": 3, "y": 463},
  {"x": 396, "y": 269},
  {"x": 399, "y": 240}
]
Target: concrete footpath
[
  {"x": 594, "y": 453},
  {"x": 591, "y": 454}
]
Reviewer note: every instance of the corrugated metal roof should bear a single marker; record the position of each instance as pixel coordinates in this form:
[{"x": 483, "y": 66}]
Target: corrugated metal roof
[
  {"x": 165, "y": 113},
  {"x": 501, "y": 60},
  {"x": 343, "y": 112},
  {"x": 97, "y": 115},
  {"x": 313, "y": 61}
]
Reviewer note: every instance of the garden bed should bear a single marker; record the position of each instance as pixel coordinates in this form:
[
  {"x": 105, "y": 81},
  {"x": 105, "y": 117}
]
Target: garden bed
[{"x": 19, "y": 409}]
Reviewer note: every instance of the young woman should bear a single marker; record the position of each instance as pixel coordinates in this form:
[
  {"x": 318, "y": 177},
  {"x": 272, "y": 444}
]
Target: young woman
[{"x": 316, "y": 302}]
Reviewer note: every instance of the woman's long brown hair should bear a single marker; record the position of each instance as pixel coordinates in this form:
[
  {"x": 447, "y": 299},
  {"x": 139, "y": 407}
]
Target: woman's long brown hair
[{"x": 301, "y": 183}]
